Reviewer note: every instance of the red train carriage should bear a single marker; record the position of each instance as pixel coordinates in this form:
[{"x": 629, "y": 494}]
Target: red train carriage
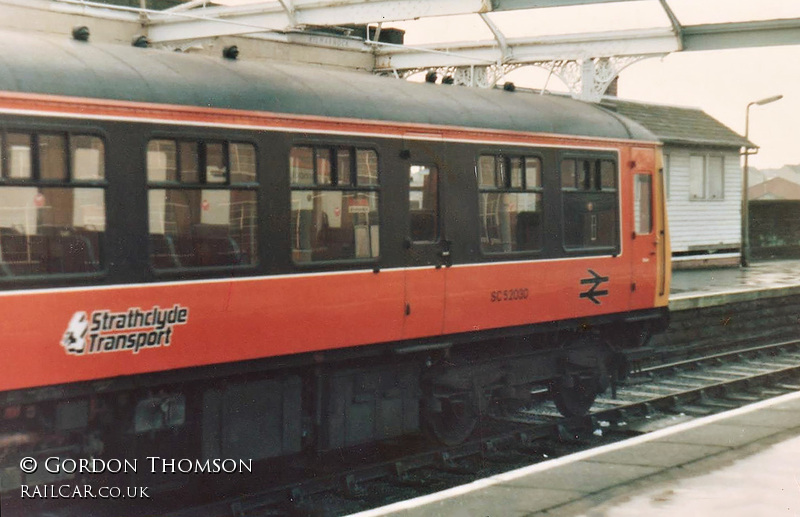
[{"x": 227, "y": 259}]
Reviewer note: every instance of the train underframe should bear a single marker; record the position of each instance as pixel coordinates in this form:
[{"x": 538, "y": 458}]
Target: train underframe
[{"x": 269, "y": 410}]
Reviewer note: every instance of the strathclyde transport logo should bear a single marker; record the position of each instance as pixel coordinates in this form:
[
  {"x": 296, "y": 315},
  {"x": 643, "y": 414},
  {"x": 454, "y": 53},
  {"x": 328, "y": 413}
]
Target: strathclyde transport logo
[{"x": 133, "y": 330}]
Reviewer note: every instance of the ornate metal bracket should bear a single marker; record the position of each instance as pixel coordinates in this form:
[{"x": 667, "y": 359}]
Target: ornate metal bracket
[{"x": 586, "y": 79}]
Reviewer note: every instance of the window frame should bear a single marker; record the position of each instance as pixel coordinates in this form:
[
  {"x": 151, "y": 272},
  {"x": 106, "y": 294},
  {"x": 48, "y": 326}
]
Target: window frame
[
  {"x": 638, "y": 202},
  {"x": 202, "y": 184},
  {"x": 595, "y": 180},
  {"x": 35, "y": 180},
  {"x": 706, "y": 176},
  {"x": 432, "y": 167},
  {"x": 335, "y": 185},
  {"x": 503, "y": 162}
]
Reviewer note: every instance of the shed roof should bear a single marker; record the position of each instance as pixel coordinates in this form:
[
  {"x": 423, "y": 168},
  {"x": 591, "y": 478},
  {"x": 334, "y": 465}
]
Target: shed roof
[{"x": 678, "y": 125}]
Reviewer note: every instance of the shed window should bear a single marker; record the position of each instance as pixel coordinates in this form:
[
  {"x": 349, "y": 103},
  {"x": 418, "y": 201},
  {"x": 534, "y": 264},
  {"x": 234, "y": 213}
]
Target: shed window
[
  {"x": 714, "y": 177},
  {"x": 706, "y": 177}
]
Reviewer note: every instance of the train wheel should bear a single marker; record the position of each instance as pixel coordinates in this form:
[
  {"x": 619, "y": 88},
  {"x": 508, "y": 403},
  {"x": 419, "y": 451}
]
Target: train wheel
[
  {"x": 573, "y": 394},
  {"x": 584, "y": 375},
  {"x": 451, "y": 420}
]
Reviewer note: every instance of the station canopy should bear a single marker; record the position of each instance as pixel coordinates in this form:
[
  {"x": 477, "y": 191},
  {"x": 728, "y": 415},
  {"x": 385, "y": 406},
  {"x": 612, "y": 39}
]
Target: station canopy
[{"x": 479, "y": 41}]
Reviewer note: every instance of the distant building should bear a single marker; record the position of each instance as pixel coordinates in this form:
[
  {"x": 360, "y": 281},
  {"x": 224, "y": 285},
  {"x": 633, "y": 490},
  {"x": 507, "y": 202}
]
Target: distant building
[
  {"x": 703, "y": 178},
  {"x": 774, "y": 188}
]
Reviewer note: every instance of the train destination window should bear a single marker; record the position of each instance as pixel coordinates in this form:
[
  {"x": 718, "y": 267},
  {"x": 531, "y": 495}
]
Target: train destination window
[
  {"x": 591, "y": 212},
  {"x": 423, "y": 203},
  {"x": 202, "y": 203},
  {"x": 510, "y": 203},
  {"x": 52, "y": 203},
  {"x": 334, "y": 203}
]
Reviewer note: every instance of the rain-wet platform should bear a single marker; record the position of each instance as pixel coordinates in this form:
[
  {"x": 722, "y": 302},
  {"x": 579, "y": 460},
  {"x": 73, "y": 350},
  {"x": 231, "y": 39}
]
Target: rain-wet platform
[
  {"x": 694, "y": 288},
  {"x": 743, "y": 462}
]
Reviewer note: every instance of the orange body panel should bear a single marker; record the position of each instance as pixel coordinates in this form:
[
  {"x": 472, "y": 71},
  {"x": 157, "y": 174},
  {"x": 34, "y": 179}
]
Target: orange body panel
[
  {"x": 532, "y": 292},
  {"x": 425, "y": 302},
  {"x": 644, "y": 247},
  {"x": 264, "y": 317}
]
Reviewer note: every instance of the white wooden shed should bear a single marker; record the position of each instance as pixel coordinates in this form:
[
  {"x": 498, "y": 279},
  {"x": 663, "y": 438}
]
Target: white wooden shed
[{"x": 703, "y": 176}]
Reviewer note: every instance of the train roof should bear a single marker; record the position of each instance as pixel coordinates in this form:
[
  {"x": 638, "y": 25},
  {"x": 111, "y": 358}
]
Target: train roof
[{"x": 62, "y": 66}]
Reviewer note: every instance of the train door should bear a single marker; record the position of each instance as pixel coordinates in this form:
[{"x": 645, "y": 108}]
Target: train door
[
  {"x": 426, "y": 249},
  {"x": 645, "y": 240}
]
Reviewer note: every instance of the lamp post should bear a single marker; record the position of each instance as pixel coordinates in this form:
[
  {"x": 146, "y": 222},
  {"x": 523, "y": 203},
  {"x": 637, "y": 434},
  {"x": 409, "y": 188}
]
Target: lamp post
[{"x": 745, "y": 251}]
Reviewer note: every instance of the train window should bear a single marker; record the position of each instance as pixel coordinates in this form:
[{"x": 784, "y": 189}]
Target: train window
[
  {"x": 642, "y": 203},
  {"x": 51, "y": 222},
  {"x": 201, "y": 220},
  {"x": 510, "y": 203},
  {"x": 344, "y": 167},
  {"x": 334, "y": 207},
  {"x": 18, "y": 155},
  {"x": 486, "y": 171},
  {"x": 569, "y": 174},
  {"x": 367, "y": 167},
  {"x": 591, "y": 211},
  {"x": 52, "y": 157},
  {"x": 516, "y": 172},
  {"x": 162, "y": 161},
  {"x": 216, "y": 171},
  {"x": 189, "y": 160},
  {"x": 88, "y": 157},
  {"x": 585, "y": 175},
  {"x": 301, "y": 166},
  {"x": 423, "y": 202},
  {"x": 533, "y": 172},
  {"x": 242, "y": 162},
  {"x": 607, "y": 175},
  {"x": 324, "y": 167},
  {"x": 501, "y": 172}
]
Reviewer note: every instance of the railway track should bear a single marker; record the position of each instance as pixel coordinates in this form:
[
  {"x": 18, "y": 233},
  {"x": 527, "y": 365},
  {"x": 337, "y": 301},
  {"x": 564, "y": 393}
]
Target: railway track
[
  {"x": 649, "y": 399},
  {"x": 357, "y": 479}
]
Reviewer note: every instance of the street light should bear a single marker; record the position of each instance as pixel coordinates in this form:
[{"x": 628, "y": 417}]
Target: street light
[{"x": 745, "y": 251}]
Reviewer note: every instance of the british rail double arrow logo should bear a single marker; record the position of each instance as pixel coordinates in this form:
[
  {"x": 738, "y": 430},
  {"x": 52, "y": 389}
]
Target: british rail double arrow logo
[{"x": 596, "y": 280}]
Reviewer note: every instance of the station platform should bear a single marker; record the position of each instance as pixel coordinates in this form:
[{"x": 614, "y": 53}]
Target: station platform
[
  {"x": 744, "y": 462},
  {"x": 693, "y": 288}
]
